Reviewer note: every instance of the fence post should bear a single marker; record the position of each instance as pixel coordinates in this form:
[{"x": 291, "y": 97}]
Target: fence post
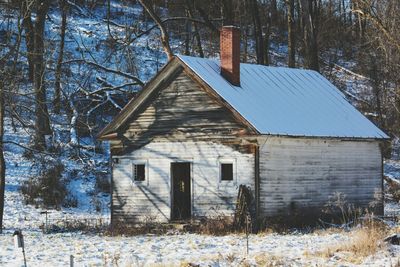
[
  {"x": 71, "y": 260},
  {"x": 247, "y": 232}
]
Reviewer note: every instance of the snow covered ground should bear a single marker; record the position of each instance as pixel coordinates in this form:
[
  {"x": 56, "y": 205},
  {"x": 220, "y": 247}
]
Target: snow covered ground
[{"x": 175, "y": 250}]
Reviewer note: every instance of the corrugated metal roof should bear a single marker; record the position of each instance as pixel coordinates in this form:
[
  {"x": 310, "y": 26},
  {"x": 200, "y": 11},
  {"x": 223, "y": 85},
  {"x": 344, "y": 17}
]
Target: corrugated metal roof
[{"x": 285, "y": 101}]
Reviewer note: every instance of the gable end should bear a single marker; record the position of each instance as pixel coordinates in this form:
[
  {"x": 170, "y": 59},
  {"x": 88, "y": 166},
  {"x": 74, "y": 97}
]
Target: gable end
[{"x": 180, "y": 111}]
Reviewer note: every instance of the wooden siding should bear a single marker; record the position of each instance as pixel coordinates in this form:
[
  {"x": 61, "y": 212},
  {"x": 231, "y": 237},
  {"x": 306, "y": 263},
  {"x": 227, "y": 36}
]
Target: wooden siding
[
  {"x": 150, "y": 200},
  {"x": 180, "y": 112},
  {"x": 180, "y": 122},
  {"x": 300, "y": 176}
]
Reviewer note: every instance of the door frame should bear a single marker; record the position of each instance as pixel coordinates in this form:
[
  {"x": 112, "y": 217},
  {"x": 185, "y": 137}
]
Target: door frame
[{"x": 190, "y": 162}]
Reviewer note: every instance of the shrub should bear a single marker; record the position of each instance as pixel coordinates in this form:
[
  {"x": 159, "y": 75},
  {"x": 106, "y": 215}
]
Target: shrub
[
  {"x": 103, "y": 182},
  {"x": 98, "y": 205},
  {"x": 149, "y": 226},
  {"x": 48, "y": 187},
  {"x": 70, "y": 202},
  {"x": 220, "y": 225}
]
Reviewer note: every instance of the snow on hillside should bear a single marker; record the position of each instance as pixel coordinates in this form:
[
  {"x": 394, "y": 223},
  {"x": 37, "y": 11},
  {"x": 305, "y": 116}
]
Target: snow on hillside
[{"x": 87, "y": 39}]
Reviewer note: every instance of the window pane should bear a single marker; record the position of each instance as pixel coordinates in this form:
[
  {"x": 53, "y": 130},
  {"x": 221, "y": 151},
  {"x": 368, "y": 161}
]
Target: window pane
[
  {"x": 226, "y": 171},
  {"x": 139, "y": 174}
]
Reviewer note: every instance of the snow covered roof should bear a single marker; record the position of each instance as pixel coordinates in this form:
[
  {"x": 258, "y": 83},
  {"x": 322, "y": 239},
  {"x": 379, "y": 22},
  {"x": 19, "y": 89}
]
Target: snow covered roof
[{"x": 285, "y": 101}]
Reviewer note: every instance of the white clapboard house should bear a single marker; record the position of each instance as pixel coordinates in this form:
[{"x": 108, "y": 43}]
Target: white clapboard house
[{"x": 202, "y": 127}]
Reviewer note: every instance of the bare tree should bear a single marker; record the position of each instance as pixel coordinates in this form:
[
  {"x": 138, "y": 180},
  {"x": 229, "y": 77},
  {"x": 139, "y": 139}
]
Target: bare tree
[
  {"x": 57, "y": 84},
  {"x": 26, "y": 11},
  {"x": 34, "y": 36},
  {"x": 190, "y": 9},
  {"x": 291, "y": 34},
  {"x": 227, "y": 12},
  {"x": 258, "y": 35},
  {"x": 164, "y": 33},
  {"x": 2, "y": 162},
  {"x": 310, "y": 13}
]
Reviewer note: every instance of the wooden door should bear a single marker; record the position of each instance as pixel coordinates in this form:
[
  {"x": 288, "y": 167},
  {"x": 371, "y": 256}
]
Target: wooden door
[{"x": 181, "y": 196}]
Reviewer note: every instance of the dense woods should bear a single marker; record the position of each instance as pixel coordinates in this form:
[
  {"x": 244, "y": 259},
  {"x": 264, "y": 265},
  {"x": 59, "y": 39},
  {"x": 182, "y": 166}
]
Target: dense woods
[{"x": 61, "y": 75}]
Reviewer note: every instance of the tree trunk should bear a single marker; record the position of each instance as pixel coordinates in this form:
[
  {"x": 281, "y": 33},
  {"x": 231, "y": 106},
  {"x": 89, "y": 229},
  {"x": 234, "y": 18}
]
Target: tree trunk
[
  {"x": 266, "y": 39},
  {"x": 291, "y": 35},
  {"x": 228, "y": 16},
  {"x": 274, "y": 12},
  {"x": 344, "y": 12},
  {"x": 42, "y": 124},
  {"x": 199, "y": 47},
  {"x": 310, "y": 19},
  {"x": 257, "y": 31},
  {"x": 57, "y": 84},
  {"x": 245, "y": 42},
  {"x": 29, "y": 36},
  {"x": 187, "y": 35},
  {"x": 164, "y": 34},
  {"x": 2, "y": 162}
]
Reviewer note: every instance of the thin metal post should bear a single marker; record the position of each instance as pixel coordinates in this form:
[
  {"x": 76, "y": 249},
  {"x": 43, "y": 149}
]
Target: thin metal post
[
  {"x": 23, "y": 253},
  {"x": 71, "y": 260},
  {"x": 247, "y": 234},
  {"x": 46, "y": 222},
  {"x": 45, "y": 230}
]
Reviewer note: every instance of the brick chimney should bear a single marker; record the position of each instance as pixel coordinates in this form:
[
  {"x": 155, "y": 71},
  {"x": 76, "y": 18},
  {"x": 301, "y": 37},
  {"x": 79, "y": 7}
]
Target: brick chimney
[{"x": 230, "y": 54}]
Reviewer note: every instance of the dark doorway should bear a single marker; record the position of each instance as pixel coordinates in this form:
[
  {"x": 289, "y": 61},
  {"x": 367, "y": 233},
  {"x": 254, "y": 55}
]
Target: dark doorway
[{"x": 181, "y": 197}]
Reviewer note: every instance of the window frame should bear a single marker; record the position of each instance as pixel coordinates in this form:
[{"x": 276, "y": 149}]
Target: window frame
[
  {"x": 146, "y": 172},
  {"x": 234, "y": 171}
]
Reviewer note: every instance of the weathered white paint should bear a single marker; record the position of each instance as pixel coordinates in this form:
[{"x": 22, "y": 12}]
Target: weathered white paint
[
  {"x": 151, "y": 199},
  {"x": 300, "y": 175}
]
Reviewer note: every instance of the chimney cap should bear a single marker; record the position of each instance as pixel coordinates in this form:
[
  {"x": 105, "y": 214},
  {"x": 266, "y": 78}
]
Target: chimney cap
[{"x": 231, "y": 26}]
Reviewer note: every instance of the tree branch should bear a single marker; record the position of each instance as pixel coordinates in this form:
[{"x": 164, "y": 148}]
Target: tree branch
[
  {"x": 164, "y": 33},
  {"x": 118, "y": 72}
]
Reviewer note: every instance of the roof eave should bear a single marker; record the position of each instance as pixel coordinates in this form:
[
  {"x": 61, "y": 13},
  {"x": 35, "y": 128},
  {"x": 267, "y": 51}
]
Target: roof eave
[{"x": 352, "y": 138}]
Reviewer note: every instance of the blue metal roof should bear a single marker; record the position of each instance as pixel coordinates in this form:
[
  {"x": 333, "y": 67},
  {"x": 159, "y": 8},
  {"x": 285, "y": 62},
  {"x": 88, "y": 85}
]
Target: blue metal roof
[{"x": 285, "y": 101}]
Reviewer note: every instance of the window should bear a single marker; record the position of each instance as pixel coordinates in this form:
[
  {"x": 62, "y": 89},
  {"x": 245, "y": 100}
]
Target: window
[
  {"x": 139, "y": 172},
  {"x": 226, "y": 171}
]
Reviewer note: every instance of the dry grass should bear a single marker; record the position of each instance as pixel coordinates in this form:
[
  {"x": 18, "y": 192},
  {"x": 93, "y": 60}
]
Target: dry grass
[
  {"x": 218, "y": 226},
  {"x": 364, "y": 241},
  {"x": 328, "y": 231},
  {"x": 269, "y": 260}
]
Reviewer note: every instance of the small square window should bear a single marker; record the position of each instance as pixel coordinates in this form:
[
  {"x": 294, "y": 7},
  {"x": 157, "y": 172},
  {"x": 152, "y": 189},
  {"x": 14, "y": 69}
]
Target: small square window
[
  {"x": 139, "y": 172},
  {"x": 226, "y": 171}
]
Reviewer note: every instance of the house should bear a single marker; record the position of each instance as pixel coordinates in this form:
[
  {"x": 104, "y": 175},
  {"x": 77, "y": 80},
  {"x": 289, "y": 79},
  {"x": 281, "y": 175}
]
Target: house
[{"x": 201, "y": 128}]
